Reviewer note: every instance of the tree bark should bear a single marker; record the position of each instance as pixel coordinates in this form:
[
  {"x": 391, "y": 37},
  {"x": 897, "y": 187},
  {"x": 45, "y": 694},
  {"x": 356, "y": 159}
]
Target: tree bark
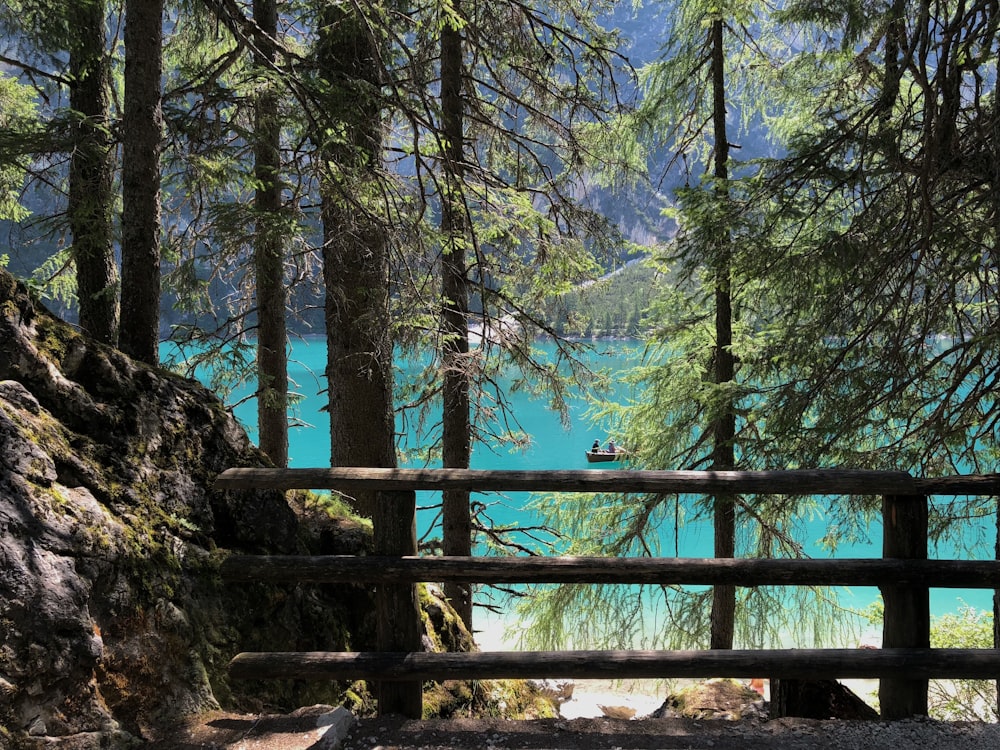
[
  {"x": 268, "y": 251},
  {"x": 355, "y": 251},
  {"x": 141, "y": 148},
  {"x": 723, "y": 617},
  {"x": 456, "y": 430},
  {"x": 91, "y": 173}
]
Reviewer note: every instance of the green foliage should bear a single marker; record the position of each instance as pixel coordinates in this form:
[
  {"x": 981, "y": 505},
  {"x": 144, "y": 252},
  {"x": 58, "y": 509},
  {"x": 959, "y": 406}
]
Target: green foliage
[
  {"x": 17, "y": 118},
  {"x": 880, "y": 252},
  {"x": 859, "y": 270},
  {"x": 612, "y": 306},
  {"x": 963, "y": 700},
  {"x": 861, "y": 266},
  {"x": 539, "y": 79},
  {"x": 54, "y": 278},
  {"x": 580, "y": 616},
  {"x": 957, "y": 700},
  {"x": 335, "y": 506}
]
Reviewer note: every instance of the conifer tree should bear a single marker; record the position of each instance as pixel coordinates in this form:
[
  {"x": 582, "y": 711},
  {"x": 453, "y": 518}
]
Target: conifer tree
[
  {"x": 244, "y": 106},
  {"x": 268, "y": 246},
  {"x": 91, "y": 171},
  {"x": 142, "y": 139},
  {"x": 456, "y": 433},
  {"x": 862, "y": 262},
  {"x": 723, "y": 422},
  {"x": 349, "y": 141},
  {"x": 61, "y": 51},
  {"x": 697, "y": 376},
  {"x": 17, "y": 116},
  {"x": 506, "y": 163},
  {"x": 888, "y": 194}
]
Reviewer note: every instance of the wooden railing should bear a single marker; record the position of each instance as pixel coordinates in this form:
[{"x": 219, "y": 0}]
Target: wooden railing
[{"x": 903, "y": 664}]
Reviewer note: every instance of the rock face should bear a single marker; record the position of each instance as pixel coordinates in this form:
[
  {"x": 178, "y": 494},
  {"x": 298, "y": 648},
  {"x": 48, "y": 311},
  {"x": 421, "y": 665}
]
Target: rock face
[{"x": 113, "y": 620}]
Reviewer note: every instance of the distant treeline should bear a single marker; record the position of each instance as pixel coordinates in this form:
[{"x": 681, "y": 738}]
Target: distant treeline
[{"x": 613, "y": 306}]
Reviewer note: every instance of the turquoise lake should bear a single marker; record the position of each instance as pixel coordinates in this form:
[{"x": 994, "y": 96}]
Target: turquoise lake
[{"x": 554, "y": 445}]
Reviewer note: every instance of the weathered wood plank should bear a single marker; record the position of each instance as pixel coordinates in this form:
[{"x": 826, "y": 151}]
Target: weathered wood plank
[
  {"x": 805, "y": 482},
  {"x": 689, "y": 571},
  {"x": 799, "y": 664},
  {"x": 702, "y": 482},
  {"x": 907, "y": 619}
]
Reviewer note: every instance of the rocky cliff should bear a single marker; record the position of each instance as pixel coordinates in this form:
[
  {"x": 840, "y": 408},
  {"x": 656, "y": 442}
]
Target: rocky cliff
[{"x": 112, "y": 619}]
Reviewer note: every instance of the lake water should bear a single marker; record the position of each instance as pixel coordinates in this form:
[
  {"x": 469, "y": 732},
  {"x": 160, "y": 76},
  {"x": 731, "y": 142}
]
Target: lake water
[{"x": 553, "y": 445}]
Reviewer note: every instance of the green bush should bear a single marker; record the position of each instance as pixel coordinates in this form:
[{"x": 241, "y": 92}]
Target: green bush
[{"x": 963, "y": 700}]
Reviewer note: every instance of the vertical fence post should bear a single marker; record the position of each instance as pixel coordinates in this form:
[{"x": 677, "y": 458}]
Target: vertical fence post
[
  {"x": 397, "y": 609},
  {"x": 907, "y": 621},
  {"x": 996, "y": 594}
]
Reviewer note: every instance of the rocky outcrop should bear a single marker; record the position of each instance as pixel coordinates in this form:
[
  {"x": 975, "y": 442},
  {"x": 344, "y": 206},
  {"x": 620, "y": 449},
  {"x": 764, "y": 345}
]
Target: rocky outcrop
[
  {"x": 113, "y": 618},
  {"x": 713, "y": 699}
]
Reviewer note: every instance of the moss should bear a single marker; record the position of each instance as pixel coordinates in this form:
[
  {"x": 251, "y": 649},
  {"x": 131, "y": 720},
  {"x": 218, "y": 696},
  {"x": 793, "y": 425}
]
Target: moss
[
  {"x": 359, "y": 700},
  {"x": 334, "y": 505},
  {"x": 441, "y": 623},
  {"x": 507, "y": 699},
  {"x": 53, "y": 338},
  {"x": 712, "y": 699}
]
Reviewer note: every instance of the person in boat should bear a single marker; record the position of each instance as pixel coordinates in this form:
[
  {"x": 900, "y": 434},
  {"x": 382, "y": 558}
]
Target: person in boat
[
  {"x": 612, "y": 448},
  {"x": 596, "y": 447}
]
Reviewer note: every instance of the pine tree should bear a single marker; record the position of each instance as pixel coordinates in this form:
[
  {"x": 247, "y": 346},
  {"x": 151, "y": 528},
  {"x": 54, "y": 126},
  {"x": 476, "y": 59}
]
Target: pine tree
[
  {"x": 17, "y": 116},
  {"x": 91, "y": 171},
  {"x": 456, "y": 432},
  {"x": 888, "y": 195},
  {"x": 142, "y": 139},
  {"x": 268, "y": 246},
  {"x": 355, "y": 243},
  {"x": 700, "y": 404},
  {"x": 505, "y": 160}
]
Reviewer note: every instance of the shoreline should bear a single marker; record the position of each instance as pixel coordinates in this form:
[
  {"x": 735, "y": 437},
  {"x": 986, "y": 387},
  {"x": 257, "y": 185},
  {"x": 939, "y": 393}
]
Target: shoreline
[
  {"x": 638, "y": 698},
  {"x": 589, "y": 698}
]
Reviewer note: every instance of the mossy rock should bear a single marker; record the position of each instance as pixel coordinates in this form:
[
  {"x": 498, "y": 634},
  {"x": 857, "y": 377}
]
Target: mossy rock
[
  {"x": 712, "y": 699},
  {"x": 504, "y": 699}
]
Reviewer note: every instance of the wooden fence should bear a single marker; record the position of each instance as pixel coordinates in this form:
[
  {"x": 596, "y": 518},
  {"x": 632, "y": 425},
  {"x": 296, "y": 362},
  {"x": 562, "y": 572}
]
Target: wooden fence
[{"x": 904, "y": 574}]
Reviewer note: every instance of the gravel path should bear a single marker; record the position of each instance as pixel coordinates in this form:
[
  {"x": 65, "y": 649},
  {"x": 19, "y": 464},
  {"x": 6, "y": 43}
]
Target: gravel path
[
  {"x": 324, "y": 728},
  {"x": 605, "y": 734}
]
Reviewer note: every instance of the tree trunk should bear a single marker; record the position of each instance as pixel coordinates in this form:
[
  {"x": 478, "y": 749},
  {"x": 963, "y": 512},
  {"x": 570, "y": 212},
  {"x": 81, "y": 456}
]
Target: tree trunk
[
  {"x": 994, "y": 259},
  {"x": 456, "y": 434},
  {"x": 355, "y": 251},
  {"x": 817, "y": 699},
  {"x": 90, "y": 175},
  {"x": 268, "y": 251},
  {"x": 723, "y": 616},
  {"x": 141, "y": 147}
]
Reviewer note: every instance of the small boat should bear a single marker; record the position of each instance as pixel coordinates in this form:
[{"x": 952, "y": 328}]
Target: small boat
[{"x": 603, "y": 455}]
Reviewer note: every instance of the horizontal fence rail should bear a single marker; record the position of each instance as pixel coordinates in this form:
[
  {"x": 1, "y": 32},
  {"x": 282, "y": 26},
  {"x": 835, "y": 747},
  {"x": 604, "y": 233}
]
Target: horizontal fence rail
[
  {"x": 797, "y": 482},
  {"x": 904, "y": 574},
  {"x": 657, "y": 570},
  {"x": 495, "y": 665}
]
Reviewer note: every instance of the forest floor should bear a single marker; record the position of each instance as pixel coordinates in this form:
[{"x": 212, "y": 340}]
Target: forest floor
[
  {"x": 305, "y": 731},
  {"x": 326, "y": 728}
]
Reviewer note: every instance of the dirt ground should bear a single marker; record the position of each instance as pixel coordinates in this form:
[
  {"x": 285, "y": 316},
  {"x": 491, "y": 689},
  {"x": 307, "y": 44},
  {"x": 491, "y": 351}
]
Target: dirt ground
[{"x": 323, "y": 728}]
